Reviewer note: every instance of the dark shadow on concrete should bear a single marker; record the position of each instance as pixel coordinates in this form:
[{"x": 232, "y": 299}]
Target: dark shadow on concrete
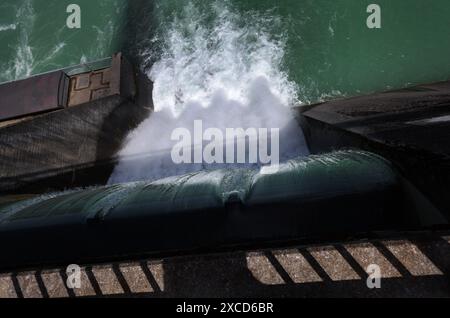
[
  {"x": 315, "y": 265},
  {"x": 392, "y": 259},
  {"x": 64, "y": 277},
  {"x": 41, "y": 284},
  {"x": 16, "y": 284},
  {"x": 150, "y": 278},
  {"x": 228, "y": 276},
  {"x": 279, "y": 268},
  {"x": 212, "y": 277},
  {"x": 438, "y": 251},
  {"x": 94, "y": 283},
  {"x": 351, "y": 261},
  {"x": 121, "y": 279}
]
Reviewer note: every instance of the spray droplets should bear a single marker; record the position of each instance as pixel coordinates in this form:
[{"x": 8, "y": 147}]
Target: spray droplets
[{"x": 220, "y": 67}]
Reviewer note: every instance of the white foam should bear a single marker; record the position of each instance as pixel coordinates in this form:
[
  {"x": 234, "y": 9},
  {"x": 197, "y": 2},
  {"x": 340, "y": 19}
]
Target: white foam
[
  {"x": 8, "y": 27},
  {"x": 227, "y": 74},
  {"x": 24, "y": 60}
]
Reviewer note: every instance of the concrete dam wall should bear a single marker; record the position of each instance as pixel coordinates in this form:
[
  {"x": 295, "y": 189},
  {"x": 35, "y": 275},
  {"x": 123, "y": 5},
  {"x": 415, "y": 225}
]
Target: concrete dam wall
[
  {"x": 409, "y": 127},
  {"x": 308, "y": 197},
  {"x": 47, "y": 144},
  {"x": 57, "y": 153}
]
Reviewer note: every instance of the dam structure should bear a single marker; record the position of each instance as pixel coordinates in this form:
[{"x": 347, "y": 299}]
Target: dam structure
[
  {"x": 57, "y": 128},
  {"x": 378, "y": 171}
]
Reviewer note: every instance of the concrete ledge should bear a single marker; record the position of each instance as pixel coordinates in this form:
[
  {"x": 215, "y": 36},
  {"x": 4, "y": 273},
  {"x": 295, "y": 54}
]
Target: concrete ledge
[
  {"x": 33, "y": 95},
  {"x": 44, "y": 146},
  {"x": 413, "y": 265},
  {"x": 74, "y": 146},
  {"x": 409, "y": 127}
]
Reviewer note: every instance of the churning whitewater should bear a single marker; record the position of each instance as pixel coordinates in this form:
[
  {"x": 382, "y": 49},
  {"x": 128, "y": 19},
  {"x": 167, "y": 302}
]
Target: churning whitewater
[{"x": 226, "y": 73}]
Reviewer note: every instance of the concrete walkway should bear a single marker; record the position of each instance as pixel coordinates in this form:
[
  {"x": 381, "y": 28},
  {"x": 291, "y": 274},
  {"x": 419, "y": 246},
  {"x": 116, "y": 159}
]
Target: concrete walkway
[{"x": 415, "y": 266}]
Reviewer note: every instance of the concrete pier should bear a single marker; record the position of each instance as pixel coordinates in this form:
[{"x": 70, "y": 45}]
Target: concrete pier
[
  {"x": 68, "y": 135},
  {"x": 34, "y": 95},
  {"x": 410, "y": 127}
]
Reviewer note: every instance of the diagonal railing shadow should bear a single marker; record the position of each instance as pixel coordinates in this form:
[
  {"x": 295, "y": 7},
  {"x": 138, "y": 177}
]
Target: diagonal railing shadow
[{"x": 420, "y": 268}]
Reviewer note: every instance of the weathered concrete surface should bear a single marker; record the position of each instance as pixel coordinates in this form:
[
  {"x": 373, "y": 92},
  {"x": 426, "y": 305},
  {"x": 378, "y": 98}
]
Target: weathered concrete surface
[
  {"x": 65, "y": 142},
  {"x": 414, "y": 265},
  {"x": 409, "y": 127},
  {"x": 33, "y": 95},
  {"x": 74, "y": 146}
]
